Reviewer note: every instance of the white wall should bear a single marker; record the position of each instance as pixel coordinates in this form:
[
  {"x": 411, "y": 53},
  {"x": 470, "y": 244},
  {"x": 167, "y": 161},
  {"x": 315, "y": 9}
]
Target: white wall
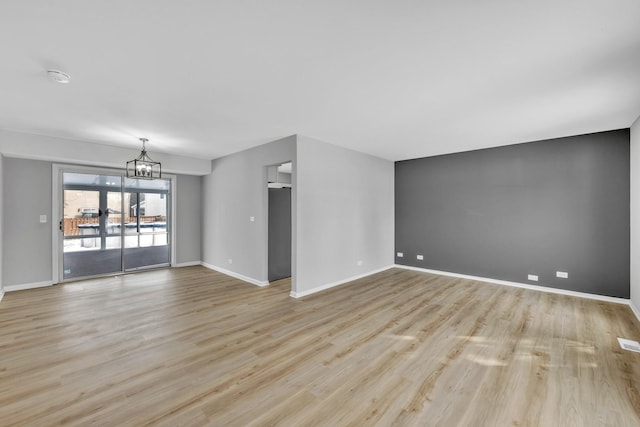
[
  {"x": 236, "y": 190},
  {"x": 345, "y": 214},
  {"x": 26, "y": 242},
  {"x": 635, "y": 214},
  {"x": 38, "y": 147}
]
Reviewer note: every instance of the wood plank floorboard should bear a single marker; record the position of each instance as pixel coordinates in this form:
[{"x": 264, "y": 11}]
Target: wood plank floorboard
[{"x": 193, "y": 347}]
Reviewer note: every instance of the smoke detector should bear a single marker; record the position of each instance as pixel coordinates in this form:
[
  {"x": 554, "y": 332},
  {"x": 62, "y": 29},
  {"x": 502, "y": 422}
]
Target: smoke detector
[{"x": 58, "y": 76}]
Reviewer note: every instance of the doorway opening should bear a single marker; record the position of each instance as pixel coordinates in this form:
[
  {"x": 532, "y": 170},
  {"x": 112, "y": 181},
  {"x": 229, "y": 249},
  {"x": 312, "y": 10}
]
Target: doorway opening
[{"x": 279, "y": 225}]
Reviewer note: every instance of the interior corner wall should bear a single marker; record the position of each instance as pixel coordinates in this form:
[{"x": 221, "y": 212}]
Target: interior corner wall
[
  {"x": 535, "y": 208},
  {"x": 635, "y": 215},
  {"x": 345, "y": 214},
  {"x": 234, "y": 191},
  {"x": 189, "y": 214}
]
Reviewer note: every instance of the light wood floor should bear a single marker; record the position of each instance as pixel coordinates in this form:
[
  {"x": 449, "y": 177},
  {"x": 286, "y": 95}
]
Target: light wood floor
[{"x": 194, "y": 347}]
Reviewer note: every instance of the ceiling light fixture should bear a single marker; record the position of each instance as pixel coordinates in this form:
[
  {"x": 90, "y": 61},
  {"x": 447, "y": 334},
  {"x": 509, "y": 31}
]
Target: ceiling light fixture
[
  {"x": 58, "y": 76},
  {"x": 143, "y": 166}
]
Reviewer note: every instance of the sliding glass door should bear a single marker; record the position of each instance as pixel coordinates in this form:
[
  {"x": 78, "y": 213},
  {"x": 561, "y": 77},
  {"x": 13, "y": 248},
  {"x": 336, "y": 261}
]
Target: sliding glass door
[
  {"x": 146, "y": 236},
  {"x": 113, "y": 224},
  {"x": 92, "y": 206}
]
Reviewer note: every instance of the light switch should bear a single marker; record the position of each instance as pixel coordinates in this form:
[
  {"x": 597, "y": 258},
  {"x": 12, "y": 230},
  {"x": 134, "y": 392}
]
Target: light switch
[{"x": 43, "y": 219}]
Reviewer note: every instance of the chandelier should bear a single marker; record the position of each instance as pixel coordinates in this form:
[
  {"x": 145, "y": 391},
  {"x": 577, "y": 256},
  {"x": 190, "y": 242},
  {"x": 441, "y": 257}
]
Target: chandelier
[{"x": 143, "y": 166}]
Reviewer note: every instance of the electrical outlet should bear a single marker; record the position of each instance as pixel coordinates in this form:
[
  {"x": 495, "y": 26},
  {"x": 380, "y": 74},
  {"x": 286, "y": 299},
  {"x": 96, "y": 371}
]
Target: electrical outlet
[
  {"x": 359, "y": 263},
  {"x": 532, "y": 277},
  {"x": 43, "y": 219},
  {"x": 252, "y": 218},
  {"x": 562, "y": 274},
  {"x": 420, "y": 257},
  {"x": 399, "y": 254},
  {"x": 230, "y": 261}
]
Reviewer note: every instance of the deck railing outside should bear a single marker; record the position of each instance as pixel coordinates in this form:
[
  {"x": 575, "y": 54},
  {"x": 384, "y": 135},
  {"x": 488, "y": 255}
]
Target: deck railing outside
[{"x": 71, "y": 224}]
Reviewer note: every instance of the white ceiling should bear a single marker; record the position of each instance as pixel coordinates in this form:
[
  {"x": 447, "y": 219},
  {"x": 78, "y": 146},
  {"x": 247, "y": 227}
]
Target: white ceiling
[{"x": 396, "y": 79}]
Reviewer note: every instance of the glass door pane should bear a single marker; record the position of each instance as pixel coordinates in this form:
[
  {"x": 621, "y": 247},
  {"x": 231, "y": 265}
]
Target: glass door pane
[
  {"x": 146, "y": 231},
  {"x": 92, "y": 220},
  {"x": 81, "y": 222},
  {"x": 113, "y": 220}
]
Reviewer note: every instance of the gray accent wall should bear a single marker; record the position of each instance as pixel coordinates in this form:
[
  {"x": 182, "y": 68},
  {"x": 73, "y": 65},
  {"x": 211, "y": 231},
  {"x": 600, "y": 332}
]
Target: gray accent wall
[
  {"x": 635, "y": 216},
  {"x": 235, "y": 191},
  {"x": 533, "y": 208},
  {"x": 189, "y": 212},
  {"x": 345, "y": 214}
]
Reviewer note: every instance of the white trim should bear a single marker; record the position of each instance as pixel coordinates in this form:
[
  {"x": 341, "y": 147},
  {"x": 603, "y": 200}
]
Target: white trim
[
  {"x": 1, "y": 295},
  {"x": 173, "y": 223},
  {"x": 56, "y": 217},
  {"x": 521, "y": 285},
  {"x": 295, "y": 294},
  {"x": 187, "y": 264},
  {"x": 236, "y": 275},
  {"x": 634, "y": 309},
  {"x": 24, "y": 286}
]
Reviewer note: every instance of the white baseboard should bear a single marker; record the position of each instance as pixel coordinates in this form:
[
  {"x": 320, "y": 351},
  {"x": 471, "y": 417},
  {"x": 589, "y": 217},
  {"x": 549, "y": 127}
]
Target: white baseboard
[
  {"x": 1, "y": 295},
  {"x": 236, "y": 275},
  {"x": 24, "y": 286},
  {"x": 635, "y": 310},
  {"x": 187, "y": 264},
  {"x": 520, "y": 285},
  {"x": 336, "y": 283}
]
